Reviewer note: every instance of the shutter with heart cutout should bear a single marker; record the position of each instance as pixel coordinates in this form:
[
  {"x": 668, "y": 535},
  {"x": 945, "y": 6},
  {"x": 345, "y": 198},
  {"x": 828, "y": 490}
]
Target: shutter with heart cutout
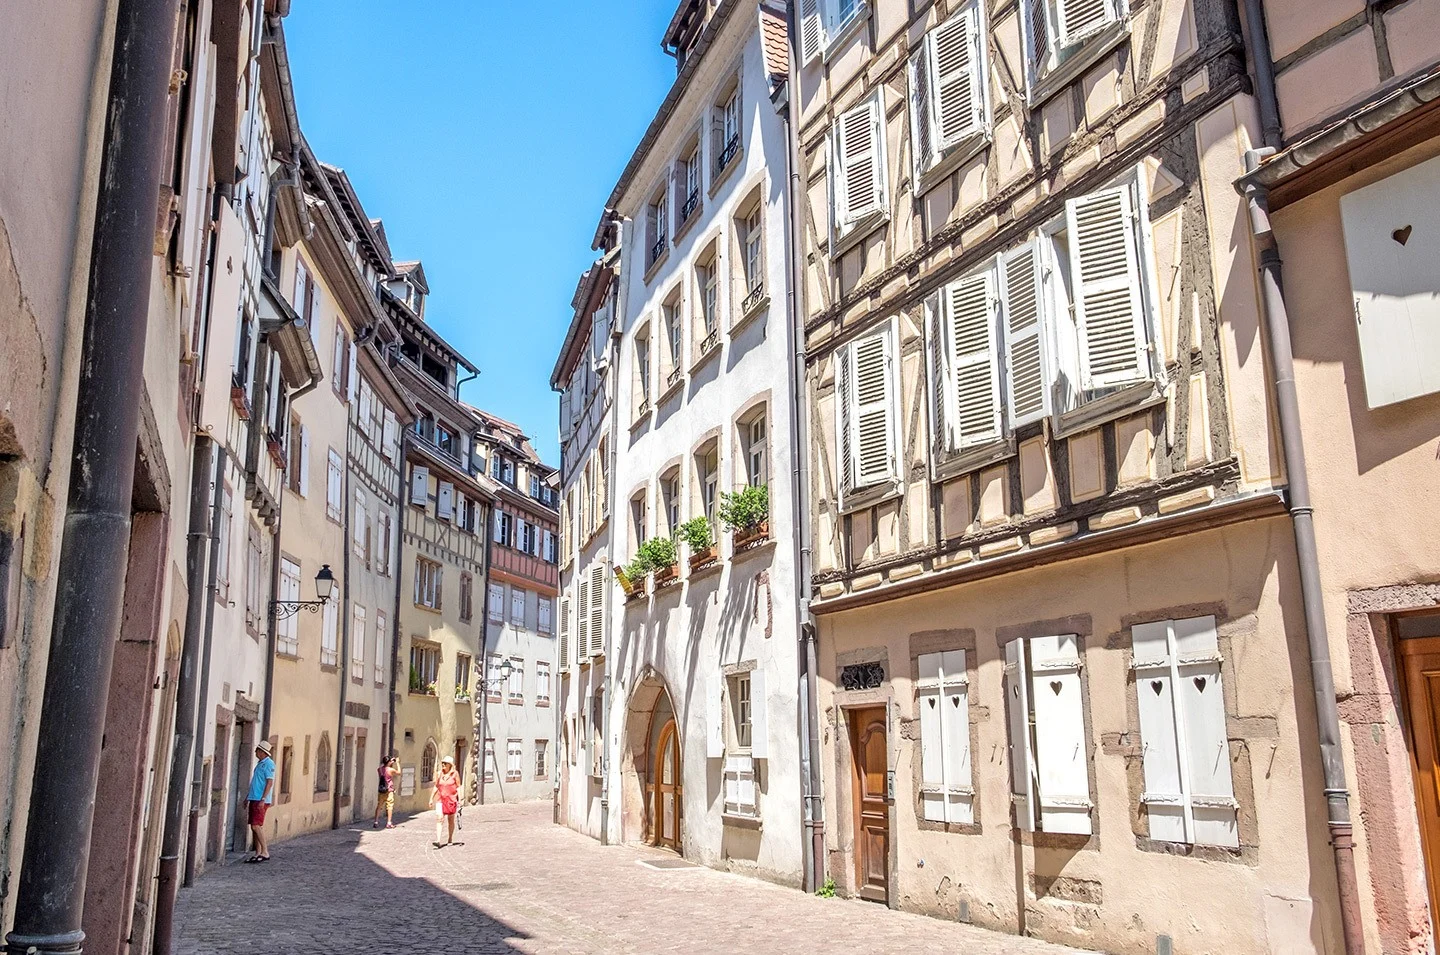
[
  {"x": 1022, "y": 748},
  {"x": 1062, "y": 757},
  {"x": 943, "y": 701}
]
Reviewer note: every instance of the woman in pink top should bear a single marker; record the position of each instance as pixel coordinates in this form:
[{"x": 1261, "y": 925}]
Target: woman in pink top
[{"x": 445, "y": 798}]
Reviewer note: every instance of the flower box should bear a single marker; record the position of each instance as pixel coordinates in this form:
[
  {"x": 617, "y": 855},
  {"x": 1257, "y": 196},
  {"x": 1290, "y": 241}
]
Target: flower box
[
  {"x": 752, "y": 535},
  {"x": 238, "y": 402},
  {"x": 664, "y": 575},
  {"x": 704, "y": 558},
  {"x": 277, "y": 452}
]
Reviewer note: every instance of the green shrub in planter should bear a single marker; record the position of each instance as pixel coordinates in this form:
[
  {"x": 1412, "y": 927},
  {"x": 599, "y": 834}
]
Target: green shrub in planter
[
  {"x": 658, "y": 553},
  {"x": 746, "y": 509},
  {"x": 697, "y": 533},
  {"x": 638, "y": 567}
]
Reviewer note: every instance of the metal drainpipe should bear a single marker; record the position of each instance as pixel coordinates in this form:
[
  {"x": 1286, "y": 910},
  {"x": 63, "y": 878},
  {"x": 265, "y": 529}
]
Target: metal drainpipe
[
  {"x": 343, "y": 669},
  {"x": 621, "y": 301},
  {"x": 271, "y": 621},
  {"x": 812, "y": 784},
  {"x": 401, "y": 500},
  {"x": 172, "y": 840},
  {"x": 484, "y": 651},
  {"x": 1264, "y": 68},
  {"x": 90, "y": 578},
  {"x": 1282, "y": 367},
  {"x": 212, "y": 591}
]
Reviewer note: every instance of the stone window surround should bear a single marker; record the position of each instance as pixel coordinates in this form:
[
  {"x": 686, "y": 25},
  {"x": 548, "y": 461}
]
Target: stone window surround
[{"x": 935, "y": 641}]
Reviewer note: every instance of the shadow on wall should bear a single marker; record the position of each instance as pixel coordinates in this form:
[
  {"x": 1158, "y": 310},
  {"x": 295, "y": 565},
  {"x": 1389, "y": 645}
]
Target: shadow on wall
[{"x": 241, "y": 914}]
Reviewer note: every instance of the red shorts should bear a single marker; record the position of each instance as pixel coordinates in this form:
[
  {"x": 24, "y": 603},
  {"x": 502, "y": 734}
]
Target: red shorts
[{"x": 257, "y": 811}]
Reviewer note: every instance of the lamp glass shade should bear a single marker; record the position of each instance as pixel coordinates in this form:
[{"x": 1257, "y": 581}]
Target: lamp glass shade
[
  {"x": 324, "y": 583},
  {"x": 505, "y": 668}
]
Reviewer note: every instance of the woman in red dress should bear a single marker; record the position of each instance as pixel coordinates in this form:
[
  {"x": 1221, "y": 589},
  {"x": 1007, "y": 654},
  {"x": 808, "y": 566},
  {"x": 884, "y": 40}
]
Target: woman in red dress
[{"x": 445, "y": 799}]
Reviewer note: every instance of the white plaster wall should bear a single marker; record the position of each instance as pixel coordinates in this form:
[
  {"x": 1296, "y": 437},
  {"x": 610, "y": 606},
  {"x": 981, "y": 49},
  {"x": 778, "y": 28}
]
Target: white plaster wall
[{"x": 527, "y": 721}]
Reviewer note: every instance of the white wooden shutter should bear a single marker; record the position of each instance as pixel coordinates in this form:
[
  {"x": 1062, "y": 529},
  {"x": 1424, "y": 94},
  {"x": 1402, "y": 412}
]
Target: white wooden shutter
[
  {"x": 812, "y": 30},
  {"x": 1105, "y": 270},
  {"x": 945, "y": 791},
  {"x": 845, "y": 419},
  {"x": 1026, "y": 372},
  {"x": 565, "y": 423},
  {"x": 598, "y": 592},
  {"x": 873, "y": 418},
  {"x": 419, "y": 485},
  {"x": 715, "y": 717},
  {"x": 937, "y": 360},
  {"x": 304, "y": 479},
  {"x": 445, "y": 501},
  {"x": 739, "y": 785},
  {"x": 970, "y": 316},
  {"x": 582, "y": 631},
  {"x": 1164, "y": 795},
  {"x": 859, "y": 162},
  {"x": 352, "y": 377},
  {"x": 1022, "y": 755},
  {"x": 1036, "y": 26},
  {"x": 1200, "y": 703},
  {"x": 391, "y": 434},
  {"x": 759, "y": 718},
  {"x": 959, "y": 99},
  {"x": 922, "y": 121},
  {"x": 1061, "y": 754},
  {"x": 1078, "y": 19},
  {"x": 564, "y": 632},
  {"x": 357, "y": 524}
]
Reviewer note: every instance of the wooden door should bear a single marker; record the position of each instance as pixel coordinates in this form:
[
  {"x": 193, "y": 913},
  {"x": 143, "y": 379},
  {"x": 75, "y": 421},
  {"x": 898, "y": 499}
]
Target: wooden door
[
  {"x": 668, "y": 789},
  {"x": 1420, "y": 660},
  {"x": 872, "y": 811}
]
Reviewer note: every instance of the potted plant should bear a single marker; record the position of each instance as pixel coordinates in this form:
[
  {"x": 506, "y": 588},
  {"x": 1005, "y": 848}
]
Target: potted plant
[
  {"x": 632, "y": 576},
  {"x": 659, "y": 555},
  {"x": 746, "y": 514},
  {"x": 700, "y": 538},
  {"x": 415, "y": 685}
]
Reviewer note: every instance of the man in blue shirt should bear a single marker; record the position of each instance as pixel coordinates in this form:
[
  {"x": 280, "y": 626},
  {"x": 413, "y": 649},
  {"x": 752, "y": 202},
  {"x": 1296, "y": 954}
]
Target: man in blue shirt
[{"x": 262, "y": 785}]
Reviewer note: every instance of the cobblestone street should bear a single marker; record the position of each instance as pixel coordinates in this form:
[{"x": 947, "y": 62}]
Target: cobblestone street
[{"x": 521, "y": 884}]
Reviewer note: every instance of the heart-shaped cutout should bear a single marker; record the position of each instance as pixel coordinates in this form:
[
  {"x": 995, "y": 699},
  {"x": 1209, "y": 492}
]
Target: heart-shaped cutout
[
  {"x": 955, "y": 701},
  {"x": 1402, "y": 235},
  {"x": 931, "y": 701},
  {"x": 1055, "y": 687},
  {"x": 1200, "y": 684},
  {"x": 1158, "y": 686}
]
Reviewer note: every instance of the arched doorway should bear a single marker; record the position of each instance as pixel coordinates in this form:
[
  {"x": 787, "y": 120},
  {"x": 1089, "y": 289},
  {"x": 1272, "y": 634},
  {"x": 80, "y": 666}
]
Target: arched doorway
[{"x": 666, "y": 789}]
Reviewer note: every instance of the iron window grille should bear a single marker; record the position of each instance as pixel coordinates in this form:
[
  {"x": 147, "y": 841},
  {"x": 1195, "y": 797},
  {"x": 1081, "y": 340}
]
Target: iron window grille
[
  {"x": 753, "y": 299},
  {"x": 732, "y": 147},
  {"x": 691, "y": 204}
]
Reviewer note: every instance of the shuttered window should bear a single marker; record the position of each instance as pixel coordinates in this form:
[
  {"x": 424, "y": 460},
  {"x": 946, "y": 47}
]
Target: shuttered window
[
  {"x": 1056, "y": 29},
  {"x": 867, "y": 418},
  {"x": 858, "y": 180},
  {"x": 1189, "y": 793},
  {"x": 965, "y": 363},
  {"x": 598, "y": 592},
  {"x": 334, "y": 495},
  {"x": 419, "y": 485},
  {"x": 942, "y": 697},
  {"x": 495, "y": 603},
  {"x": 1102, "y": 229},
  {"x": 1049, "y": 753},
  {"x": 564, "y": 632},
  {"x": 445, "y": 501},
  {"x": 812, "y": 30},
  {"x": 330, "y": 634},
  {"x": 821, "y": 21},
  {"x": 947, "y": 88},
  {"x": 1027, "y": 375},
  {"x": 582, "y": 617}
]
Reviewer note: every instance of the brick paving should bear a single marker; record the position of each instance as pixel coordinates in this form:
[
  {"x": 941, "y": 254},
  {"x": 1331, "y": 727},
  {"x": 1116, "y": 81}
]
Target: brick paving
[{"x": 522, "y": 884}]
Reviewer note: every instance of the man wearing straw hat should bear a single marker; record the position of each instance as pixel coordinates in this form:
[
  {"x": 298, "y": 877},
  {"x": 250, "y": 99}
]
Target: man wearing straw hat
[{"x": 262, "y": 793}]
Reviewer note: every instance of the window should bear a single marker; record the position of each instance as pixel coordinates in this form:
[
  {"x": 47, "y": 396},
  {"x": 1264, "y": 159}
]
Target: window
[
  {"x": 751, "y": 234},
  {"x": 419, "y": 486},
  {"x": 868, "y": 423},
  {"x": 504, "y": 529},
  {"x": 942, "y": 697},
  {"x": 391, "y": 434},
  {"x": 740, "y": 712},
  {"x": 752, "y": 440},
  {"x": 639, "y": 518},
  {"x": 543, "y": 608},
  {"x": 382, "y": 643},
  {"x": 330, "y": 634},
  {"x": 287, "y": 770},
  {"x": 322, "y": 764},
  {"x": 507, "y": 471},
  {"x": 688, "y": 184},
  {"x": 489, "y": 760},
  {"x": 517, "y": 606},
  {"x": 707, "y": 476},
  {"x": 564, "y": 632},
  {"x": 298, "y": 469},
  {"x": 360, "y": 529},
  {"x": 427, "y": 764},
  {"x": 334, "y": 500},
  {"x": 255, "y": 589},
  {"x": 542, "y": 682},
  {"x": 948, "y": 108},
  {"x": 1056, "y": 34},
  {"x": 528, "y": 537},
  {"x": 445, "y": 501},
  {"x": 535, "y": 486},
  {"x": 824, "y": 22},
  {"x": 287, "y": 638},
  {"x": 964, "y": 363},
  {"x": 642, "y": 371},
  {"x": 428, "y": 578},
  {"x": 1189, "y": 794},
  {"x": 424, "y": 666},
  {"x": 357, "y": 643},
  {"x": 858, "y": 184},
  {"x": 467, "y": 586},
  {"x": 515, "y": 685},
  {"x": 497, "y": 602},
  {"x": 222, "y": 544},
  {"x": 1049, "y": 752},
  {"x": 739, "y": 734},
  {"x": 728, "y": 139},
  {"x": 597, "y": 737},
  {"x": 514, "y": 761},
  {"x": 548, "y": 548},
  {"x": 674, "y": 329},
  {"x": 670, "y": 500},
  {"x": 707, "y": 328},
  {"x": 462, "y": 675},
  {"x": 384, "y": 544},
  {"x": 541, "y": 766},
  {"x": 340, "y": 362},
  {"x": 658, "y": 241},
  {"x": 492, "y": 677}
]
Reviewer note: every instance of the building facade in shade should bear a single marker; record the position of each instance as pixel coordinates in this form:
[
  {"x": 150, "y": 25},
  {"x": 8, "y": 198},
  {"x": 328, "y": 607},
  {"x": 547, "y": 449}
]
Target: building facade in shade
[
  {"x": 516, "y": 715},
  {"x": 1062, "y": 648},
  {"x": 442, "y": 528},
  {"x": 697, "y": 715},
  {"x": 1353, "y": 193},
  {"x": 583, "y": 376}
]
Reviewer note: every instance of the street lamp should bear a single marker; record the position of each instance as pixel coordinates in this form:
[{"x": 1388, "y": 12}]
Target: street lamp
[
  {"x": 324, "y": 587},
  {"x": 503, "y": 674},
  {"x": 500, "y": 679}
]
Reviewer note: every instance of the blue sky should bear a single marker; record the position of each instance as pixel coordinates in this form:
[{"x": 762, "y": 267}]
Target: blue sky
[{"x": 487, "y": 135}]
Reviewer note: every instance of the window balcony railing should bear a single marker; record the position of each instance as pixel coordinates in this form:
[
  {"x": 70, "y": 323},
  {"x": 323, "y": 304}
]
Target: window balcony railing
[
  {"x": 728, "y": 153},
  {"x": 711, "y": 340},
  {"x": 643, "y": 410},
  {"x": 691, "y": 204},
  {"x": 673, "y": 379},
  {"x": 658, "y": 249},
  {"x": 753, "y": 299}
]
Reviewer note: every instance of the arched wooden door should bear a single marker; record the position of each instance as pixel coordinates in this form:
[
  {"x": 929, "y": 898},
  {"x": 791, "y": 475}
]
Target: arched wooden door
[{"x": 667, "y": 788}]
